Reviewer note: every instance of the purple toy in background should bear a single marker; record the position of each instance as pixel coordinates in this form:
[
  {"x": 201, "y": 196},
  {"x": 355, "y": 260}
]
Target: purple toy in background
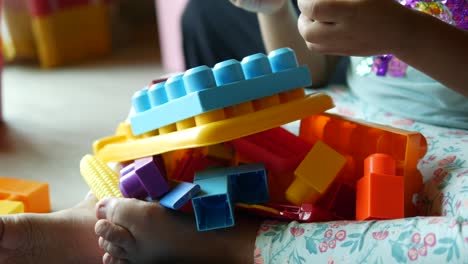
[{"x": 146, "y": 177}]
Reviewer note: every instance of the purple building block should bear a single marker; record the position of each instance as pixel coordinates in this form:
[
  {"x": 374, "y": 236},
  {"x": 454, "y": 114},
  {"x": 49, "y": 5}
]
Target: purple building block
[{"x": 144, "y": 178}]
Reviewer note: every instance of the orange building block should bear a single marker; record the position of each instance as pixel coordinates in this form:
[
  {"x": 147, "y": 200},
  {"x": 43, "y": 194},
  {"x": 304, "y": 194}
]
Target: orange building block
[
  {"x": 359, "y": 139},
  {"x": 380, "y": 193},
  {"x": 11, "y": 207},
  {"x": 315, "y": 173},
  {"x": 34, "y": 195}
]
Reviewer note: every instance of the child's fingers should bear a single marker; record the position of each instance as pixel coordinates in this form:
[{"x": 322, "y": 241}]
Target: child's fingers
[{"x": 327, "y": 10}]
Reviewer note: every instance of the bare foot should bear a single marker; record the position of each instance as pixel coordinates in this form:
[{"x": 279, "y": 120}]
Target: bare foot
[
  {"x": 133, "y": 231},
  {"x": 62, "y": 237}
]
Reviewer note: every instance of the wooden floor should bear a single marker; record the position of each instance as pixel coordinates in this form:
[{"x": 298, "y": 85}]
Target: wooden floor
[{"x": 53, "y": 116}]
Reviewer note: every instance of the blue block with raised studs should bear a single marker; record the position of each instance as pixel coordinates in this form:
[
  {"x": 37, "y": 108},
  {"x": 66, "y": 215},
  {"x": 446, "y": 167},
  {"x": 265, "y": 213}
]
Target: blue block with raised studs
[{"x": 202, "y": 89}]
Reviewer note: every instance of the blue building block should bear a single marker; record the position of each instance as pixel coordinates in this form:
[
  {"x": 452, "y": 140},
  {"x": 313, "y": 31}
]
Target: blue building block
[
  {"x": 247, "y": 183},
  {"x": 201, "y": 89},
  {"x": 213, "y": 208},
  {"x": 180, "y": 195}
]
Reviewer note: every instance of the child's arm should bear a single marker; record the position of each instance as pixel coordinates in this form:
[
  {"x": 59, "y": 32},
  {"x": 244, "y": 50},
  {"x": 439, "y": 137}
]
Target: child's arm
[
  {"x": 278, "y": 25},
  {"x": 367, "y": 27}
]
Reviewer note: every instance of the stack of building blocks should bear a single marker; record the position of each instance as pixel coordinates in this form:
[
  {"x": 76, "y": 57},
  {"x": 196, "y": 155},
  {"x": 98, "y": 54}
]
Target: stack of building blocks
[
  {"x": 67, "y": 31},
  {"x": 358, "y": 139},
  {"x": 380, "y": 191},
  {"x": 315, "y": 174},
  {"x": 33, "y": 195},
  {"x": 17, "y": 36},
  {"x": 11, "y": 207},
  {"x": 223, "y": 187},
  {"x": 209, "y": 106}
]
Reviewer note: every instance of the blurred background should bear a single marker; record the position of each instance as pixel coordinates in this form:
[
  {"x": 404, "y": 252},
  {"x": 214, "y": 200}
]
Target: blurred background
[{"x": 70, "y": 68}]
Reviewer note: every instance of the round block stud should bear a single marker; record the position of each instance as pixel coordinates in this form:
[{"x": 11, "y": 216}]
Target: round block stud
[
  {"x": 140, "y": 101},
  {"x": 379, "y": 163},
  {"x": 256, "y": 65},
  {"x": 175, "y": 87},
  {"x": 282, "y": 59},
  {"x": 229, "y": 71},
  {"x": 157, "y": 94},
  {"x": 199, "y": 78}
]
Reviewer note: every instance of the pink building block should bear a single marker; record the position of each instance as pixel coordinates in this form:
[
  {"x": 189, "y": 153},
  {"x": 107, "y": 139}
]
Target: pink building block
[{"x": 169, "y": 14}]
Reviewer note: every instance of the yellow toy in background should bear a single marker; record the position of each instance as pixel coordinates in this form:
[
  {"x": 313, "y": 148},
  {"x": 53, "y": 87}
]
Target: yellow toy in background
[
  {"x": 56, "y": 32},
  {"x": 17, "y": 36},
  {"x": 102, "y": 180}
]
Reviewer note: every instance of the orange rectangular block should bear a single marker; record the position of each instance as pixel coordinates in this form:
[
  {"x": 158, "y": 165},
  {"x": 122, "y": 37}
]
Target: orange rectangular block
[
  {"x": 380, "y": 197},
  {"x": 34, "y": 195},
  {"x": 359, "y": 139},
  {"x": 315, "y": 173}
]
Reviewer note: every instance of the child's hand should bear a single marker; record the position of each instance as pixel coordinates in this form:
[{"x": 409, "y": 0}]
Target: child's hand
[
  {"x": 352, "y": 27},
  {"x": 260, "y": 6}
]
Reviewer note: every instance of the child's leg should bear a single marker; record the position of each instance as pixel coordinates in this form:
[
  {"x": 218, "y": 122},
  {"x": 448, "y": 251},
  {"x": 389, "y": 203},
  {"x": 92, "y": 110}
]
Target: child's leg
[
  {"x": 62, "y": 237},
  {"x": 142, "y": 232}
]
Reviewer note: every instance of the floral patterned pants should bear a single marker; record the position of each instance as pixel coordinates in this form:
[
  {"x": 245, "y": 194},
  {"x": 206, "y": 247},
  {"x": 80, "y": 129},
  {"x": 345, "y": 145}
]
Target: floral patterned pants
[{"x": 440, "y": 236}]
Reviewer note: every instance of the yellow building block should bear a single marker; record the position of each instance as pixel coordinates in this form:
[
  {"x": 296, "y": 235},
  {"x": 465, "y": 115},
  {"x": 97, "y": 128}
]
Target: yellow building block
[
  {"x": 315, "y": 173},
  {"x": 72, "y": 34},
  {"x": 122, "y": 147},
  {"x": 11, "y": 207},
  {"x": 16, "y": 31},
  {"x": 34, "y": 195},
  {"x": 103, "y": 181}
]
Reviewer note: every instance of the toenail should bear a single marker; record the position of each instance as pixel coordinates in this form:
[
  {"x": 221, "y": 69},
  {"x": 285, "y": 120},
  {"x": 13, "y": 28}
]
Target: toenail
[
  {"x": 102, "y": 208},
  {"x": 101, "y": 242}
]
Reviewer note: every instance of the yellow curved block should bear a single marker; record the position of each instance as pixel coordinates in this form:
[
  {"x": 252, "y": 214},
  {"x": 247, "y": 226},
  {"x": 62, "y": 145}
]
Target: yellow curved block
[
  {"x": 103, "y": 181},
  {"x": 11, "y": 207},
  {"x": 122, "y": 148}
]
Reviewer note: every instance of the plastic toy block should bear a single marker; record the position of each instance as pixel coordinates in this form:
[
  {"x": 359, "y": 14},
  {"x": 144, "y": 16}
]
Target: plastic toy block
[
  {"x": 69, "y": 31},
  {"x": 11, "y": 207},
  {"x": 102, "y": 180},
  {"x": 202, "y": 90},
  {"x": 339, "y": 200},
  {"x": 360, "y": 139},
  {"x": 180, "y": 195},
  {"x": 280, "y": 150},
  {"x": 306, "y": 213},
  {"x": 212, "y": 207},
  {"x": 123, "y": 148},
  {"x": 146, "y": 177},
  {"x": 17, "y": 36},
  {"x": 380, "y": 192},
  {"x": 184, "y": 167},
  {"x": 315, "y": 173},
  {"x": 247, "y": 183},
  {"x": 34, "y": 195}
]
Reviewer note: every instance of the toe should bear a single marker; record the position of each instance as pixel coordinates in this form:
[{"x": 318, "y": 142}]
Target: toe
[
  {"x": 114, "y": 250},
  {"x": 115, "y": 234},
  {"x": 108, "y": 259},
  {"x": 125, "y": 212}
]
